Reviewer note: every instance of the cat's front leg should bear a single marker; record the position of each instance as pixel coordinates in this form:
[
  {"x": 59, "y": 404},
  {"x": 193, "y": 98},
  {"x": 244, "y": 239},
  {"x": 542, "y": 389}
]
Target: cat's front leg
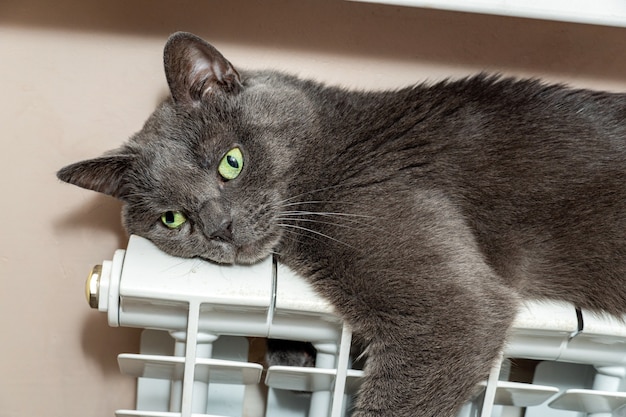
[
  {"x": 428, "y": 361},
  {"x": 422, "y": 300}
]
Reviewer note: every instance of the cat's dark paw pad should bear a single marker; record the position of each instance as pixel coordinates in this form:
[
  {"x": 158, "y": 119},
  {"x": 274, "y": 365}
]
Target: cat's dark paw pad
[{"x": 290, "y": 353}]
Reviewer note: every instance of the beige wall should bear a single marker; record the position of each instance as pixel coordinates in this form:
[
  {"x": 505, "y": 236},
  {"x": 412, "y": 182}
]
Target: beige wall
[{"x": 77, "y": 77}]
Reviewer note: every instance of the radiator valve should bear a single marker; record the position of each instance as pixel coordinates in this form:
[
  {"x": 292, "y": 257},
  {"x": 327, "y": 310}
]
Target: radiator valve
[{"x": 92, "y": 286}]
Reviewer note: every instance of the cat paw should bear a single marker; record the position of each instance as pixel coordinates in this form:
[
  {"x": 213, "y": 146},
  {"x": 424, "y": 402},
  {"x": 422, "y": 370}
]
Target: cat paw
[{"x": 290, "y": 353}]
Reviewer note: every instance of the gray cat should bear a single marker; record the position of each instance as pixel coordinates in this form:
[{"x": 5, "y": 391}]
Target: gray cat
[{"x": 423, "y": 214}]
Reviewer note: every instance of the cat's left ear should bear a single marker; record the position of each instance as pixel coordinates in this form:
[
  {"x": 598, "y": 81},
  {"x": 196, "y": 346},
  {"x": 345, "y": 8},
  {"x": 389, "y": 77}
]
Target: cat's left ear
[
  {"x": 106, "y": 174},
  {"x": 195, "y": 70}
]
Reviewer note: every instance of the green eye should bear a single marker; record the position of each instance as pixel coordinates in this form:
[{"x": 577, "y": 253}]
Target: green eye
[
  {"x": 231, "y": 164},
  {"x": 173, "y": 219}
]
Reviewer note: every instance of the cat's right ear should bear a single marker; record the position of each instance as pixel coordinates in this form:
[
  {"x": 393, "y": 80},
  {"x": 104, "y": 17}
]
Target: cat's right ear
[
  {"x": 195, "y": 70},
  {"x": 106, "y": 174}
]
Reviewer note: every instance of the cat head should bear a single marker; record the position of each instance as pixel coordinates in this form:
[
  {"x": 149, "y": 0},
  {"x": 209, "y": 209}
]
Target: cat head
[{"x": 206, "y": 176}]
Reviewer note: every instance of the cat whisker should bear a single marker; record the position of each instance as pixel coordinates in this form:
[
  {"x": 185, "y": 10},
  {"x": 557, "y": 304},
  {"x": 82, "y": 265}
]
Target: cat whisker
[
  {"x": 291, "y": 233},
  {"x": 275, "y": 253},
  {"x": 354, "y": 219},
  {"x": 306, "y": 229},
  {"x": 323, "y": 222},
  {"x": 323, "y": 213}
]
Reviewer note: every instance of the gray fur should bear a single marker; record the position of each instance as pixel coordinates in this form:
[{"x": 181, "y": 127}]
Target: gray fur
[{"x": 424, "y": 214}]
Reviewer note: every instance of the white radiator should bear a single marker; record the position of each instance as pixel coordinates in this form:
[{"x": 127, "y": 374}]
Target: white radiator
[{"x": 194, "y": 355}]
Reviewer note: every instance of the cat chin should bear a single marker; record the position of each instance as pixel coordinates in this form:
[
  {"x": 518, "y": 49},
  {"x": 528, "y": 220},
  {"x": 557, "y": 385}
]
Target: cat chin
[
  {"x": 257, "y": 250},
  {"x": 242, "y": 255},
  {"x": 224, "y": 254},
  {"x": 250, "y": 254},
  {"x": 239, "y": 258}
]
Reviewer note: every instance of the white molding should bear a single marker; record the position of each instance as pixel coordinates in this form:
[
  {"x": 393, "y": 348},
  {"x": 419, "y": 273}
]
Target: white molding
[{"x": 598, "y": 12}]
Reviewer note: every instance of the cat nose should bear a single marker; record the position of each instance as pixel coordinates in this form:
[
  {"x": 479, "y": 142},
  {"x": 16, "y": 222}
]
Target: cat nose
[{"x": 223, "y": 232}]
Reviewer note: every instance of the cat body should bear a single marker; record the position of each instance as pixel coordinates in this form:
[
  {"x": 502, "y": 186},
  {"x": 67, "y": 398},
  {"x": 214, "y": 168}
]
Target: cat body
[{"x": 424, "y": 215}]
